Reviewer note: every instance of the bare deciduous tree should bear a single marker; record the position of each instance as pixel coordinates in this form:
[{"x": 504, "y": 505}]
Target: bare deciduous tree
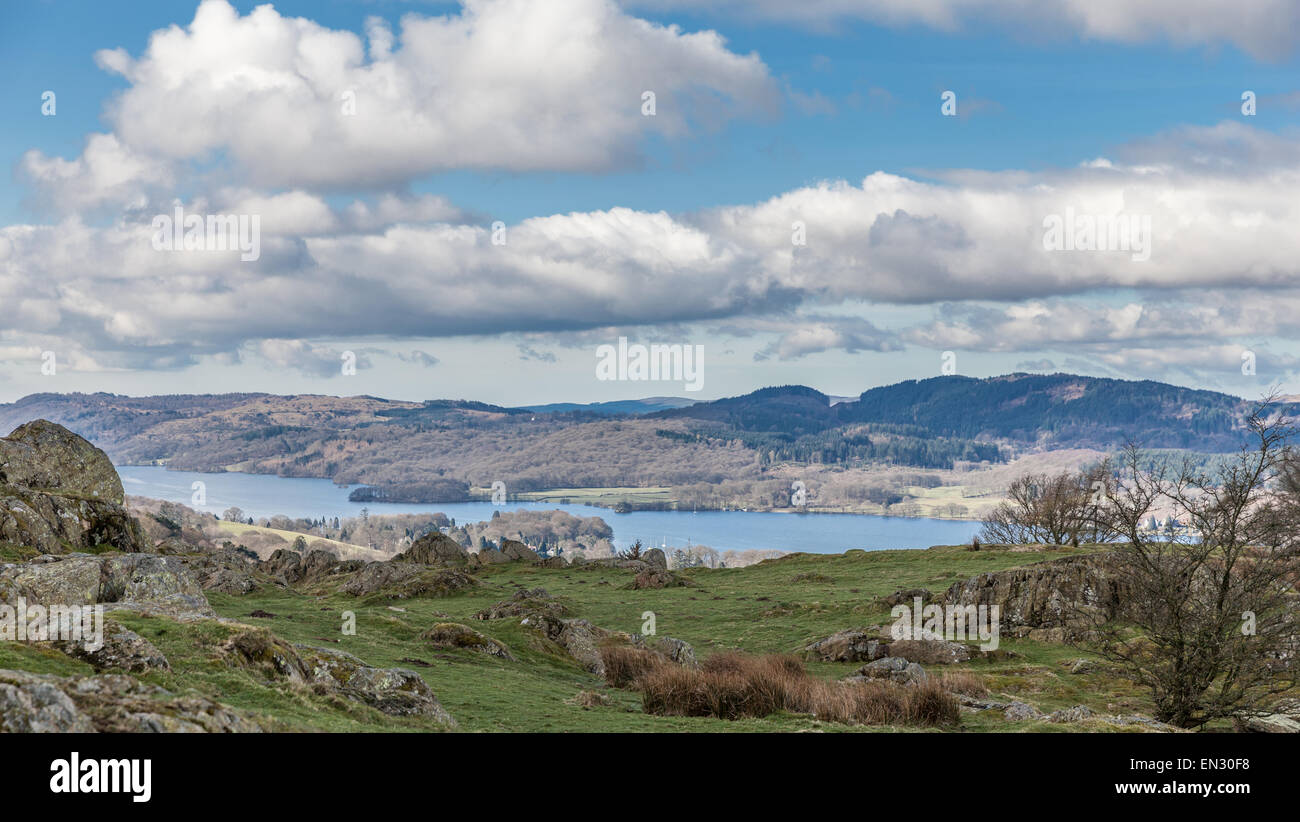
[
  {"x": 1056, "y": 509},
  {"x": 1207, "y": 621}
]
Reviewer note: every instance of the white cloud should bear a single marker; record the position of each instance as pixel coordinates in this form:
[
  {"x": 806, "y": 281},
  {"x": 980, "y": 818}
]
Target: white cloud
[
  {"x": 1264, "y": 28},
  {"x": 505, "y": 84}
]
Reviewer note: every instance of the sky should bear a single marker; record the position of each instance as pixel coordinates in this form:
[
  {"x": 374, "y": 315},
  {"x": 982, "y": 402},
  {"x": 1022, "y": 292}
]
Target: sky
[{"x": 470, "y": 200}]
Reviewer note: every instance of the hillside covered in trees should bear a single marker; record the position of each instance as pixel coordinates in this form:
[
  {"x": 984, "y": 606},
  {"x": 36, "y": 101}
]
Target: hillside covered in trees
[{"x": 440, "y": 450}]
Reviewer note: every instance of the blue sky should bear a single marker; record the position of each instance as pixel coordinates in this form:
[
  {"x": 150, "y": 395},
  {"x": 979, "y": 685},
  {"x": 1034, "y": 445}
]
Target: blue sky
[{"x": 926, "y": 259}]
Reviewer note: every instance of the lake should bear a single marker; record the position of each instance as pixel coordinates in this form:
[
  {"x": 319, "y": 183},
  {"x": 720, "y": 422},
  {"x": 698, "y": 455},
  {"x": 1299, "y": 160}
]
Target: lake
[{"x": 265, "y": 495}]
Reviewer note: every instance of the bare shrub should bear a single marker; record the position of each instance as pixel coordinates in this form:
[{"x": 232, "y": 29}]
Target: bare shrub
[{"x": 734, "y": 686}]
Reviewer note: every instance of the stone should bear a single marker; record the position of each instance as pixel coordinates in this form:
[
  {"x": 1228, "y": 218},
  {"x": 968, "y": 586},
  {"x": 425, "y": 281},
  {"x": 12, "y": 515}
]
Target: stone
[
  {"x": 931, "y": 651},
  {"x": 61, "y": 494},
  {"x": 456, "y": 635},
  {"x": 1076, "y": 714},
  {"x": 516, "y": 551},
  {"x": 434, "y": 548},
  {"x": 109, "y": 703},
  {"x": 394, "y": 691},
  {"x": 1020, "y": 711},
  {"x": 656, "y": 559},
  {"x": 1060, "y": 593},
  {"x": 893, "y": 668},
  {"x": 147, "y": 583},
  {"x": 491, "y": 556},
  {"x": 850, "y": 645},
  {"x": 537, "y": 602},
  {"x": 123, "y": 649},
  {"x": 405, "y": 580}
]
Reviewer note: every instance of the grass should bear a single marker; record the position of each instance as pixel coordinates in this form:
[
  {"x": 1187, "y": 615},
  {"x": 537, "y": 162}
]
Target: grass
[{"x": 775, "y": 607}]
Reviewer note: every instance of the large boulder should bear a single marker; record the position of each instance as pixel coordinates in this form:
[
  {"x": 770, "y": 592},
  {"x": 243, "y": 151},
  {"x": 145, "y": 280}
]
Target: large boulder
[
  {"x": 1061, "y": 593},
  {"x": 43, "y": 456},
  {"x": 59, "y": 493},
  {"x": 516, "y": 551},
  {"x": 453, "y": 635},
  {"x": 656, "y": 559},
  {"x": 123, "y": 649},
  {"x": 848, "y": 646},
  {"x": 147, "y": 583},
  {"x": 434, "y": 548},
  {"x": 522, "y": 603},
  {"x": 108, "y": 703},
  {"x": 405, "y": 580}
]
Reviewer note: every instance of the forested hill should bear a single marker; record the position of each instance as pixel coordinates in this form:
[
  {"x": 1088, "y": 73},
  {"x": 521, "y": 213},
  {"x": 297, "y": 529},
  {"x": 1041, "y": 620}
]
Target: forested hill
[{"x": 1057, "y": 411}]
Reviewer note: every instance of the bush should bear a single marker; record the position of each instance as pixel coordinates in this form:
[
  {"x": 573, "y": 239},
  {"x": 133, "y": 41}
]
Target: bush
[
  {"x": 963, "y": 682},
  {"x": 735, "y": 686},
  {"x": 625, "y": 665}
]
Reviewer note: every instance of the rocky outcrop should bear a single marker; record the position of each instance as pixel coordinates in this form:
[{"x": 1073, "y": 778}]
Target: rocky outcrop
[
  {"x": 491, "y": 556},
  {"x": 932, "y": 651},
  {"x": 654, "y": 578},
  {"x": 656, "y": 559},
  {"x": 226, "y": 571},
  {"x": 147, "y": 583},
  {"x": 516, "y": 551},
  {"x": 537, "y": 602},
  {"x": 453, "y": 635},
  {"x": 1061, "y": 593},
  {"x": 893, "y": 668},
  {"x": 394, "y": 691},
  {"x": 109, "y": 703},
  {"x": 59, "y": 493},
  {"x": 848, "y": 646},
  {"x": 123, "y": 650},
  {"x": 405, "y": 580},
  {"x": 434, "y": 548}
]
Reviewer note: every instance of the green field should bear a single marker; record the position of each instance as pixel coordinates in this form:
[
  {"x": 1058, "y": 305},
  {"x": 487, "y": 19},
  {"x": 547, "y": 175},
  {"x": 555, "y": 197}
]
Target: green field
[{"x": 776, "y": 606}]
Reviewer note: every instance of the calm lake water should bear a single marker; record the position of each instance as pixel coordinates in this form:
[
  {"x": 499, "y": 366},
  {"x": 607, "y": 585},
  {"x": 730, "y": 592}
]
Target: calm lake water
[{"x": 261, "y": 495}]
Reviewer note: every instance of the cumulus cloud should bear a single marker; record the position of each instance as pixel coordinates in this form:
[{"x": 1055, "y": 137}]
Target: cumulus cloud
[
  {"x": 964, "y": 237},
  {"x": 504, "y": 84},
  {"x": 1266, "y": 28}
]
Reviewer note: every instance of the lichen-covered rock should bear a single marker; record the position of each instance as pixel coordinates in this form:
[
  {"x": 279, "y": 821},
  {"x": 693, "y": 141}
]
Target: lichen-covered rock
[
  {"x": 522, "y": 603},
  {"x": 893, "y": 668},
  {"x": 434, "y": 548},
  {"x": 59, "y": 493},
  {"x": 851, "y": 645},
  {"x": 45, "y": 456},
  {"x": 516, "y": 551},
  {"x": 578, "y": 637},
  {"x": 108, "y": 703},
  {"x": 491, "y": 556},
  {"x": 654, "y": 578},
  {"x": 139, "y": 582},
  {"x": 656, "y": 559},
  {"x": 456, "y": 635},
  {"x": 122, "y": 649},
  {"x": 1021, "y": 711},
  {"x": 394, "y": 691},
  {"x": 1053, "y": 594},
  {"x": 225, "y": 571},
  {"x": 931, "y": 651},
  {"x": 405, "y": 580}
]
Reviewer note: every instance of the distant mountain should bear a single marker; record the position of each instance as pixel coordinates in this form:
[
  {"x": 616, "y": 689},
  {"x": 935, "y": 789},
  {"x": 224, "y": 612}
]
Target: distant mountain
[
  {"x": 397, "y": 446},
  {"x": 1054, "y": 411},
  {"x": 647, "y": 405}
]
